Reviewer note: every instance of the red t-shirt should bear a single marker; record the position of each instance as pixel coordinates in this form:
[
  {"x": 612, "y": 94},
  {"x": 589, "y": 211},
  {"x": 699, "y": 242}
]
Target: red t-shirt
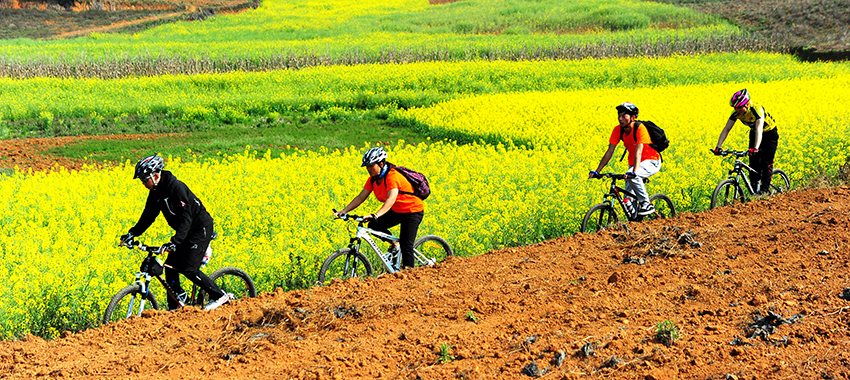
[
  {"x": 630, "y": 143},
  {"x": 404, "y": 203}
]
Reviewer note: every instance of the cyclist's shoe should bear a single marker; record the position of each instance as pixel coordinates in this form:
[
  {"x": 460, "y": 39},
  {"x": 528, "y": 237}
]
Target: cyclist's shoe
[
  {"x": 845, "y": 295},
  {"x": 393, "y": 250},
  {"x": 646, "y": 208},
  {"x": 227, "y": 297}
]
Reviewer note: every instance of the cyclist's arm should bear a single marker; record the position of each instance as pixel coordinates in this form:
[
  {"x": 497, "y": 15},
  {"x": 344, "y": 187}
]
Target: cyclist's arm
[
  {"x": 606, "y": 157},
  {"x": 759, "y": 131},
  {"x": 357, "y": 201},
  {"x": 725, "y": 132},
  {"x": 148, "y": 216},
  {"x": 638, "y": 158},
  {"x": 392, "y": 194}
]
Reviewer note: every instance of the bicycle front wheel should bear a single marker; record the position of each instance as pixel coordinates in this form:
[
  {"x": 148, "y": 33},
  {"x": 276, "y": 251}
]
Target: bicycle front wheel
[
  {"x": 344, "y": 264},
  {"x": 780, "y": 182},
  {"x": 727, "y": 192},
  {"x": 128, "y": 302},
  {"x": 663, "y": 207},
  {"x": 230, "y": 280},
  {"x": 431, "y": 249},
  {"x": 600, "y": 217}
]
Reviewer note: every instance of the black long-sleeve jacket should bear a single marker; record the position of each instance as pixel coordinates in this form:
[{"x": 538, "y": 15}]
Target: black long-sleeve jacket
[{"x": 183, "y": 211}]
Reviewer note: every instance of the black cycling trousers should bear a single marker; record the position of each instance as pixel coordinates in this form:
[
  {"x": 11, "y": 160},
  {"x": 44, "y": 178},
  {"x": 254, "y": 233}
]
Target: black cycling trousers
[
  {"x": 762, "y": 161},
  {"x": 409, "y": 226},
  {"x": 184, "y": 260}
]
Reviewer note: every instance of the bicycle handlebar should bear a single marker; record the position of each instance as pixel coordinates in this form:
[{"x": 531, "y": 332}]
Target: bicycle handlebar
[
  {"x": 610, "y": 175},
  {"x": 726, "y": 152},
  {"x": 354, "y": 217},
  {"x": 132, "y": 243}
]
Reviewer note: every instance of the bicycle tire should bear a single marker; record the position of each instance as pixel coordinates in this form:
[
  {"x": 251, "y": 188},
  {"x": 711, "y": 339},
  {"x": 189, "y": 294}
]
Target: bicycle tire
[
  {"x": 433, "y": 248},
  {"x": 352, "y": 264},
  {"x": 600, "y": 217},
  {"x": 230, "y": 280},
  {"x": 664, "y": 207},
  {"x": 120, "y": 302},
  {"x": 786, "y": 182},
  {"x": 728, "y": 192}
]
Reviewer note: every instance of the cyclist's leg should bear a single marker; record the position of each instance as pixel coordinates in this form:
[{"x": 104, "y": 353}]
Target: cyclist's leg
[
  {"x": 194, "y": 255},
  {"x": 767, "y": 151},
  {"x": 385, "y": 222},
  {"x": 756, "y": 162},
  {"x": 172, "y": 278},
  {"x": 635, "y": 185},
  {"x": 409, "y": 228}
]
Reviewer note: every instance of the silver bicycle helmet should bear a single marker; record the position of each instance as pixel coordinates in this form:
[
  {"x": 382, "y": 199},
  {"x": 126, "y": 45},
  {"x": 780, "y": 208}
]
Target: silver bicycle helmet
[
  {"x": 148, "y": 166},
  {"x": 374, "y": 156},
  {"x": 628, "y": 108}
]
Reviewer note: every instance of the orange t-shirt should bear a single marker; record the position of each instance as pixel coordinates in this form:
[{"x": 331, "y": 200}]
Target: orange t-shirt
[
  {"x": 630, "y": 143},
  {"x": 404, "y": 203}
]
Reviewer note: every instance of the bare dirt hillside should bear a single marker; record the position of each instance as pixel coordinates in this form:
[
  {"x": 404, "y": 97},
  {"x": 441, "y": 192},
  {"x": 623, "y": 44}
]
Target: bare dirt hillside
[{"x": 753, "y": 290}]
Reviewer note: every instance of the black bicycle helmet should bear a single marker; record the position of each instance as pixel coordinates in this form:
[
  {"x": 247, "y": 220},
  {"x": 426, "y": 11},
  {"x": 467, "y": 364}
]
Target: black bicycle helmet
[
  {"x": 628, "y": 108},
  {"x": 148, "y": 166},
  {"x": 374, "y": 156}
]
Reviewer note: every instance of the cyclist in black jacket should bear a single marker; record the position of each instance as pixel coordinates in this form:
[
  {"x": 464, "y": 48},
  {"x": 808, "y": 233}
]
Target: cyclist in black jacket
[{"x": 192, "y": 224}]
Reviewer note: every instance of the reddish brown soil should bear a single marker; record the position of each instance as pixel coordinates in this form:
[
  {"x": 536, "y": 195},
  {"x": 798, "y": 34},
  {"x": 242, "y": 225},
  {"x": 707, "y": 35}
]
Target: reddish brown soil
[
  {"x": 32, "y": 153},
  {"x": 787, "y": 254}
]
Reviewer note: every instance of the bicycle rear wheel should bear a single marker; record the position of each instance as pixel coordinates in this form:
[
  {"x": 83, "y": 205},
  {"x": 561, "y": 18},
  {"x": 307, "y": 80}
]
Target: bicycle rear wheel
[
  {"x": 727, "y": 192},
  {"x": 230, "y": 280},
  {"x": 431, "y": 249},
  {"x": 600, "y": 217},
  {"x": 128, "y": 302},
  {"x": 780, "y": 182},
  {"x": 344, "y": 264},
  {"x": 664, "y": 207}
]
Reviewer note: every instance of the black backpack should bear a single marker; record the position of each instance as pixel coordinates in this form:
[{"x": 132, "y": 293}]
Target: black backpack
[{"x": 656, "y": 134}]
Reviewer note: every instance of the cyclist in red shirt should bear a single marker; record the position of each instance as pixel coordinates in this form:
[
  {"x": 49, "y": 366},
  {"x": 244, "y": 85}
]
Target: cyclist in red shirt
[
  {"x": 643, "y": 160},
  {"x": 400, "y": 207}
]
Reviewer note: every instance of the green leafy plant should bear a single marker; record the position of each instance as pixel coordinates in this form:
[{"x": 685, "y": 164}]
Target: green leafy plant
[
  {"x": 470, "y": 316},
  {"x": 444, "y": 356},
  {"x": 666, "y": 332}
]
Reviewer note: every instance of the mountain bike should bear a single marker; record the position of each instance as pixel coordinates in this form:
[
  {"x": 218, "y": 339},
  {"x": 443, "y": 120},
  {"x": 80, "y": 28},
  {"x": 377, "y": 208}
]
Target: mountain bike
[
  {"x": 730, "y": 190},
  {"x": 134, "y": 299},
  {"x": 604, "y": 215},
  {"x": 353, "y": 261}
]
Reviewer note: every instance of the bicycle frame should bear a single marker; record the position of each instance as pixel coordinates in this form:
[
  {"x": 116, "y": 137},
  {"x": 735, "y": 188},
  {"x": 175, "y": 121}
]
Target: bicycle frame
[
  {"x": 737, "y": 172},
  {"x": 145, "y": 285},
  {"x": 366, "y": 233},
  {"x": 614, "y": 192}
]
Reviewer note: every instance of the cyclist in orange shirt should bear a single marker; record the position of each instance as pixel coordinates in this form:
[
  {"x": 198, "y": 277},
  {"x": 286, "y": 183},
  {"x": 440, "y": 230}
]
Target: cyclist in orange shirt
[
  {"x": 400, "y": 206},
  {"x": 643, "y": 160}
]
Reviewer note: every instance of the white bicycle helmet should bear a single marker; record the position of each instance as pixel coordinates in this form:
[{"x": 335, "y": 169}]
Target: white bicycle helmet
[
  {"x": 148, "y": 166},
  {"x": 628, "y": 108},
  {"x": 374, "y": 156}
]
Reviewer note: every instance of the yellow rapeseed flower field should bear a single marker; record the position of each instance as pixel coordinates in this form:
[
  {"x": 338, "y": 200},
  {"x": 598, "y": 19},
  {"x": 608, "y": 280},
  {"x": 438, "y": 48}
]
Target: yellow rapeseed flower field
[
  {"x": 59, "y": 229},
  {"x": 813, "y": 133}
]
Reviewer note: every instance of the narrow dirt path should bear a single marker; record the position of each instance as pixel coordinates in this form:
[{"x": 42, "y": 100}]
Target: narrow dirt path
[
  {"x": 32, "y": 153},
  {"x": 122, "y": 24},
  {"x": 573, "y": 307}
]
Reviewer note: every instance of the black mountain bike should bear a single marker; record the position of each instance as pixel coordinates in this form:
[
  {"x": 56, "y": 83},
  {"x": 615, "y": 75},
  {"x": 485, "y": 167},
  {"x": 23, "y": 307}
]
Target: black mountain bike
[
  {"x": 354, "y": 261},
  {"x": 736, "y": 188},
  {"x": 604, "y": 215},
  {"x": 134, "y": 299}
]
